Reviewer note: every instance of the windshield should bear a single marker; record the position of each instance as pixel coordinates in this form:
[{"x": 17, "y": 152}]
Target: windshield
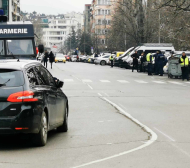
[
  {"x": 59, "y": 55},
  {"x": 11, "y": 78},
  {"x": 2, "y": 52},
  {"x": 19, "y": 47}
]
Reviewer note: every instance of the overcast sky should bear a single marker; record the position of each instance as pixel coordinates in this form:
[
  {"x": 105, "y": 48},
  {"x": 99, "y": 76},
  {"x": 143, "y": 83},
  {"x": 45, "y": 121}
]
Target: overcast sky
[{"x": 53, "y": 6}]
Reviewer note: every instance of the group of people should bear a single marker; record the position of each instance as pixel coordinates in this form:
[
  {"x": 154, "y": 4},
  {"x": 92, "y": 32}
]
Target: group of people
[
  {"x": 51, "y": 58},
  {"x": 159, "y": 62}
]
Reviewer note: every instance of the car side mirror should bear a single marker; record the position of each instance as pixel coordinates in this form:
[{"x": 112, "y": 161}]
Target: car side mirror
[{"x": 60, "y": 84}]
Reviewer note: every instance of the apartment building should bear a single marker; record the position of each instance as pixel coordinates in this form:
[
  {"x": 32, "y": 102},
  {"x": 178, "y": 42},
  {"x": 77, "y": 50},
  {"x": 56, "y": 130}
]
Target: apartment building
[
  {"x": 87, "y": 18},
  {"x": 101, "y": 17},
  {"x": 59, "y": 29},
  {"x": 11, "y": 9}
]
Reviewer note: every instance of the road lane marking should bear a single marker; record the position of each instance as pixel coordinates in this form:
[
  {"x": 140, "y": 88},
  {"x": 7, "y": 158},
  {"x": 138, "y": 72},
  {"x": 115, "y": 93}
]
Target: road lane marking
[
  {"x": 105, "y": 81},
  {"x": 153, "y": 136},
  {"x": 177, "y": 83},
  {"x": 86, "y": 81},
  {"x": 90, "y": 87},
  {"x": 99, "y": 94},
  {"x": 159, "y": 82},
  {"x": 184, "y": 152},
  {"x": 106, "y": 94},
  {"x": 76, "y": 77},
  {"x": 140, "y": 81},
  {"x": 68, "y": 80},
  {"x": 122, "y": 81},
  {"x": 165, "y": 134}
]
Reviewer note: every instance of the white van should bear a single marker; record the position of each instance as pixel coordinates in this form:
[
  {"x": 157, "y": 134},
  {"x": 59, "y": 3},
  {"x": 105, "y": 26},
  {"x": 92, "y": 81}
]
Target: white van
[{"x": 148, "y": 48}]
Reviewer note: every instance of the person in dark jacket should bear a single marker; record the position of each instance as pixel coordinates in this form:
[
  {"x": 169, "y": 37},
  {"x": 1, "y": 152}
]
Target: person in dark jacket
[
  {"x": 51, "y": 58},
  {"x": 184, "y": 61},
  {"x": 161, "y": 62},
  {"x": 142, "y": 59},
  {"x": 135, "y": 61},
  {"x": 156, "y": 68},
  {"x": 46, "y": 56}
]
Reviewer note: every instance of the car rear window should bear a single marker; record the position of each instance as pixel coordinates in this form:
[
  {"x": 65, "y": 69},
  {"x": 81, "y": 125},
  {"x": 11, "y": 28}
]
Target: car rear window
[{"x": 11, "y": 78}]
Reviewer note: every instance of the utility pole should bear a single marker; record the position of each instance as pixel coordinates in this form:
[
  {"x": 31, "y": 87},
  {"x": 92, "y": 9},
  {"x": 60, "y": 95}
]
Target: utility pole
[{"x": 159, "y": 31}]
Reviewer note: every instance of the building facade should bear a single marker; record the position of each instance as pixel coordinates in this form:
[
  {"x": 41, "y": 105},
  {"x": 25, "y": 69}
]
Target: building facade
[
  {"x": 101, "y": 18},
  {"x": 11, "y": 9},
  {"x": 87, "y": 15},
  {"x": 60, "y": 29}
]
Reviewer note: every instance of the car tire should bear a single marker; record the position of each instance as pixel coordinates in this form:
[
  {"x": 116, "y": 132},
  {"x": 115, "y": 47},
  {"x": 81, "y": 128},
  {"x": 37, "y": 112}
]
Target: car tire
[
  {"x": 40, "y": 139},
  {"x": 103, "y": 63},
  {"x": 64, "y": 127}
]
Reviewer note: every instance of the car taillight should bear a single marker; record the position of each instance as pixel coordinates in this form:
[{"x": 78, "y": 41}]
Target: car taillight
[{"x": 25, "y": 96}]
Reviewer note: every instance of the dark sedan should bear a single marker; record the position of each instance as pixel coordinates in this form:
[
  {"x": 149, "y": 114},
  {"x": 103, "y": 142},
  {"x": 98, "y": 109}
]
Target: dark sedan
[{"x": 31, "y": 100}]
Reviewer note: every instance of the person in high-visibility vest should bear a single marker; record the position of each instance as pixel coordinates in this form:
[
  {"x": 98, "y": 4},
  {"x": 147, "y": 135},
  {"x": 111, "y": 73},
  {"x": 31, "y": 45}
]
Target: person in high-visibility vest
[
  {"x": 184, "y": 61},
  {"x": 111, "y": 59},
  {"x": 149, "y": 59}
]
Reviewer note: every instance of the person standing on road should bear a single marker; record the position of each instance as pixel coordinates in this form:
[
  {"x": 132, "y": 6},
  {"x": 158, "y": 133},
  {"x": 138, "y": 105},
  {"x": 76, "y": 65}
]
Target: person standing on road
[
  {"x": 135, "y": 60},
  {"x": 51, "y": 58},
  {"x": 161, "y": 62},
  {"x": 149, "y": 59},
  {"x": 111, "y": 59},
  {"x": 184, "y": 61},
  {"x": 142, "y": 59},
  {"x": 156, "y": 62},
  {"x": 46, "y": 56}
]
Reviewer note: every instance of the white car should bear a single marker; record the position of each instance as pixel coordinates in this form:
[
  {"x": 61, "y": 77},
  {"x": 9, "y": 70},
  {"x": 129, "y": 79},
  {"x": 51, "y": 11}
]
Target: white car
[{"x": 104, "y": 60}]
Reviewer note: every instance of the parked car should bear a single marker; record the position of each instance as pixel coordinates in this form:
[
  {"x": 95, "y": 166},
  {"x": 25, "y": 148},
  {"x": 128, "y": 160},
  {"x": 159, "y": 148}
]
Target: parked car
[
  {"x": 104, "y": 60},
  {"x": 68, "y": 58},
  {"x": 60, "y": 58},
  {"x": 31, "y": 100},
  {"x": 73, "y": 58},
  {"x": 147, "y": 48}
]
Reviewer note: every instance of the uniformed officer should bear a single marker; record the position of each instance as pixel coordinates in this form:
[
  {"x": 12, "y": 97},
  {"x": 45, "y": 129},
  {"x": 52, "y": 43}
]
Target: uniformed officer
[
  {"x": 135, "y": 60},
  {"x": 184, "y": 60},
  {"x": 111, "y": 59},
  {"x": 156, "y": 63},
  {"x": 161, "y": 62},
  {"x": 149, "y": 59}
]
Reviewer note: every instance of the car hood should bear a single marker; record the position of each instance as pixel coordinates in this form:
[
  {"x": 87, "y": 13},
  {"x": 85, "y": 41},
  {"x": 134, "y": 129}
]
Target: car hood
[{"x": 59, "y": 57}]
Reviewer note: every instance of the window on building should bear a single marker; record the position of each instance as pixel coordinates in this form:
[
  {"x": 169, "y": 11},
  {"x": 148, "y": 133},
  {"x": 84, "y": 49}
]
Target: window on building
[{"x": 99, "y": 21}]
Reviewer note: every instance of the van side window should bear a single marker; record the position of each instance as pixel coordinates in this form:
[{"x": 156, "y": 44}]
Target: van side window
[{"x": 31, "y": 76}]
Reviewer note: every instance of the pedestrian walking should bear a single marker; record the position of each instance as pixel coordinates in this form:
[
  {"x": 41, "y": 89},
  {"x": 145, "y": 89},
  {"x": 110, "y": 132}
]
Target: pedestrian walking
[
  {"x": 161, "y": 63},
  {"x": 184, "y": 61},
  {"x": 51, "y": 58},
  {"x": 45, "y": 59},
  {"x": 111, "y": 59},
  {"x": 135, "y": 61},
  {"x": 149, "y": 59}
]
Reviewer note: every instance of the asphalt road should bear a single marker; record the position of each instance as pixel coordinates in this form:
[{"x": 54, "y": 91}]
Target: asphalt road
[{"x": 117, "y": 119}]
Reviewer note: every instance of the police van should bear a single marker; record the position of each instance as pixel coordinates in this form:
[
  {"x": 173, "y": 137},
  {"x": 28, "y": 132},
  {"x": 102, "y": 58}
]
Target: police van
[
  {"x": 17, "y": 40},
  {"x": 147, "y": 48}
]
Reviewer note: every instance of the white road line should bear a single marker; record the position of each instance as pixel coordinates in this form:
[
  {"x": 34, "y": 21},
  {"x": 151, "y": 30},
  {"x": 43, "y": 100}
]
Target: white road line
[
  {"x": 122, "y": 81},
  {"x": 86, "y": 81},
  {"x": 105, "y": 81},
  {"x": 177, "y": 83},
  {"x": 106, "y": 94},
  {"x": 68, "y": 80},
  {"x": 159, "y": 82},
  {"x": 76, "y": 78},
  {"x": 165, "y": 134},
  {"x": 99, "y": 94},
  {"x": 140, "y": 81},
  {"x": 90, "y": 87},
  {"x": 184, "y": 152},
  {"x": 152, "y": 139}
]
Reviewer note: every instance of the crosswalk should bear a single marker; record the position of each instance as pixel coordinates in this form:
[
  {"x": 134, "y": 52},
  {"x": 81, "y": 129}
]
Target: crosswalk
[{"x": 88, "y": 81}]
